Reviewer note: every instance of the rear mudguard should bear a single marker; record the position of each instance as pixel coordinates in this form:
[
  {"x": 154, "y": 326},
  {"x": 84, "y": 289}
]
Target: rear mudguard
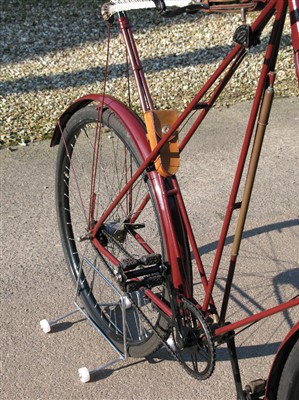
[
  {"x": 168, "y": 211},
  {"x": 129, "y": 119},
  {"x": 279, "y": 362}
]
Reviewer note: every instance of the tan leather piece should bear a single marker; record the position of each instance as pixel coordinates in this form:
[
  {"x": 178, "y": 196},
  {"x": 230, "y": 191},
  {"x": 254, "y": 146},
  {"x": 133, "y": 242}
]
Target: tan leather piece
[{"x": 158, "y": 123}]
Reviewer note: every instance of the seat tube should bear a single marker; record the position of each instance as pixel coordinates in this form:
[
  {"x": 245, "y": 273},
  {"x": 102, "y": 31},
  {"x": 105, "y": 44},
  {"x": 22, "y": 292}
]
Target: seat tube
[{"x": 142, "y": 88}]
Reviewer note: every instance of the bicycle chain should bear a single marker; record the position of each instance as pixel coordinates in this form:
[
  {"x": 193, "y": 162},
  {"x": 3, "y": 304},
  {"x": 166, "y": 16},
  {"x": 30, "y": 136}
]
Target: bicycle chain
[
  {"x": 116, "y": 242},
  {"x": 175, "y": 354},
  {"x": 164, "y": 342}
]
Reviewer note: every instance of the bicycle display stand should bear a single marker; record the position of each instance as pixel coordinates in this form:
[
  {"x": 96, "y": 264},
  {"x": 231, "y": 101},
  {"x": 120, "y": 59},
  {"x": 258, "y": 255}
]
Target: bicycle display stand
[{"x": 121, "y": 301}]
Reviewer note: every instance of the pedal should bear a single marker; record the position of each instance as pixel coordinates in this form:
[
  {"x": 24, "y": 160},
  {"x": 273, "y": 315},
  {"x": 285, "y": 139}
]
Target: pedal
[
  {"x": 155, "y": 269},
  {"x": 151, "y": 259},
  {"x": 131, "y": 279},
  {"x": 147, "y": 282},
  {"x": 128, "y": 264},
  {"x": 256, "y": 388}
]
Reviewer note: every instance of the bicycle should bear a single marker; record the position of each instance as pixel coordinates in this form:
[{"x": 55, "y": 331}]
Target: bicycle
[{"x": 121, "y": 211}]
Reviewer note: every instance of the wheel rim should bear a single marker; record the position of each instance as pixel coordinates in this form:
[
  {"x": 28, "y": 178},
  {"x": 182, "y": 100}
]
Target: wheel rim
[{"x": 115, "y": 166}]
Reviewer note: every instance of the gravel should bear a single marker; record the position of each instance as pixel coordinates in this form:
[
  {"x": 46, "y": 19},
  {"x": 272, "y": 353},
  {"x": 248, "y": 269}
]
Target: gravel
[{"x": 53, "y": 52}]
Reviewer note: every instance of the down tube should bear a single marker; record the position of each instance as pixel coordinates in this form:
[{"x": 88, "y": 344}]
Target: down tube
[
  {"x": 256, "y": 317},
  {"x": 269, "y": 62}
]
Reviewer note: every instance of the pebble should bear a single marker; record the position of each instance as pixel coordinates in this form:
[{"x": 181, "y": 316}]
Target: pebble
[{"x": 53, "y": 52}]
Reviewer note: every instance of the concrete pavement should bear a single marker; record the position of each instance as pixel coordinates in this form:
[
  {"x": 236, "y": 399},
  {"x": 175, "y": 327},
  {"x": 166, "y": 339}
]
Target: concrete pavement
[{"x": 35, "y": 283}]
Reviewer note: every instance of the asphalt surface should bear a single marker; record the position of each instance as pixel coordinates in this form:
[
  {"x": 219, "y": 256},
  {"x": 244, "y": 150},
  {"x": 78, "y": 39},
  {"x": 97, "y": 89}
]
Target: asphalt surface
[{"x": 35, "y": 283}]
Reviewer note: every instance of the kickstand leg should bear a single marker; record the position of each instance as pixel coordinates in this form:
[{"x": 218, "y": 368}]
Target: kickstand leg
[
  {"x": 235, "y": 365},
  {"x": 119, "y": 301}
]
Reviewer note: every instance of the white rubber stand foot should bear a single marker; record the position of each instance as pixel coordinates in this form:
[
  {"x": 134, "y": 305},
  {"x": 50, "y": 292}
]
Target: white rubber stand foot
[
  {"x": 127, "y": 302},
  {"x": 171, "y": 343},
  {"x": 84, "y": 374},
  {"x": 44, "y": 324}
]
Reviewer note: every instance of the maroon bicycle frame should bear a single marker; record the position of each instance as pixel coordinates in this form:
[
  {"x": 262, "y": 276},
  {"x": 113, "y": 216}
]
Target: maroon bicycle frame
[{"x": 259, "y": 113}]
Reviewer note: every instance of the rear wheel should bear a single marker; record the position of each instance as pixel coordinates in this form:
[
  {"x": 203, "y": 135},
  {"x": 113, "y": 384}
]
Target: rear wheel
[{"x": 132, "y": 230}]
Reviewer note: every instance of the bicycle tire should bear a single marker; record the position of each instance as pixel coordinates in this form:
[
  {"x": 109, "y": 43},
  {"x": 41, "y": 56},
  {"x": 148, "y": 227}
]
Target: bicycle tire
[
  {"x": 74, "y": 163},
  {"x": 288, "y": 388}
]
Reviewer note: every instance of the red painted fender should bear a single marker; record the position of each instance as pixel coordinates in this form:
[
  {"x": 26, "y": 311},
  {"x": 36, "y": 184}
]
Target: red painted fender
[
  {"x": 137, "y": 130},
  {"x": 129, "y": 119},
  {"x": 294, "y": 16},
  {"x": 279, "y": 362}
]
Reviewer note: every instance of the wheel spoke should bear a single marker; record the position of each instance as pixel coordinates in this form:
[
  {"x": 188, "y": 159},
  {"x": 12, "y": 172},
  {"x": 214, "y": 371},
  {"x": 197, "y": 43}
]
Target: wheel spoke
[{"x": 93, "y": 167}]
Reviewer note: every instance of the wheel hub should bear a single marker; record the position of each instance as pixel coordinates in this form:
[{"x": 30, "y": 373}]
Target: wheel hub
[{"x": 117, "y": 230}]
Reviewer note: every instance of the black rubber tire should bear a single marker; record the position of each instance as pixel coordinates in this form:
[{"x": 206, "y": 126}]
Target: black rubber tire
[
  {"x": 289, "y": 381},
  {"x": 72, "y": 224}
]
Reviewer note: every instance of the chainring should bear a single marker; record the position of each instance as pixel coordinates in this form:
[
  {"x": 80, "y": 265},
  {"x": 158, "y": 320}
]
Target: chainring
[{"x": 197, "y": 355}]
